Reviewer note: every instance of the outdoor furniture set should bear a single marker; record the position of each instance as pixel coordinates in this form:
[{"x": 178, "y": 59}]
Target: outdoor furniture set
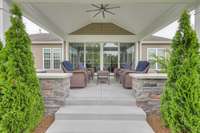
[
  {"x": 103, "y": 76},
  {"x": 122, "y": 74},
  {"x": 80, "y": 77}
]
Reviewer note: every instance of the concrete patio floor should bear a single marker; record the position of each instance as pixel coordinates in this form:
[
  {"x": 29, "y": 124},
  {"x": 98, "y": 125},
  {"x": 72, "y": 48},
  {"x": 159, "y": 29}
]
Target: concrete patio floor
[
  {"x": 101, "y": 108},
  {"x": 102, "y": 90}
]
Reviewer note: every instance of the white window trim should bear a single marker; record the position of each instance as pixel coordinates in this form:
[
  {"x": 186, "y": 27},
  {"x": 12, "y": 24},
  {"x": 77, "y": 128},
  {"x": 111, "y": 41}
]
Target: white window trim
[
  {"x": 52, "y": 49},
  {"x": 51, "y": 58},
  {"x": 43, "y": 49},
  {"x": 156, "y": 55},
  {"x": 101, "y": 43}
]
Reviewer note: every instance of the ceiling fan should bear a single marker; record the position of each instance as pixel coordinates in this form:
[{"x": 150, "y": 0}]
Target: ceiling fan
[{"x": 102, "y": 9}]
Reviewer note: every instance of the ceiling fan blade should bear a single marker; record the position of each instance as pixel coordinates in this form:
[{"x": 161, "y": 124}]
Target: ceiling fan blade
[
  {"x": 103, "y": 13},
  {"x": 97, "y": 14},
  {"x": 113, "y": 7},
  {"x": 106, "y": 5},
  {"x": 94, "y": 5},
  {"x": 92, "y": 10},
  {"x": 110, "y": 12}
]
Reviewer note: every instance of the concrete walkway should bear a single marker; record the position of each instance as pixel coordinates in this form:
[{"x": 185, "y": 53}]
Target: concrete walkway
[{"x": 100, "y": 108}]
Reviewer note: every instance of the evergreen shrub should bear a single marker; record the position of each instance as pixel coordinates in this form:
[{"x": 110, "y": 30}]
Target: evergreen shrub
[
  {"x": 180, "y": 102},
  {"x": 21, "y": 103},
  {"x": 1, "y": 45}
]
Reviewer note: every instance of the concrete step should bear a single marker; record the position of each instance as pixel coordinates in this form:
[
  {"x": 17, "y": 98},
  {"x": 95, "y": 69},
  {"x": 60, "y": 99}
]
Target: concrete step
[
  {"x": 99, "y": 126},
  {"x": 100, "y": 101},
  {"x": 100, "y": 112}
]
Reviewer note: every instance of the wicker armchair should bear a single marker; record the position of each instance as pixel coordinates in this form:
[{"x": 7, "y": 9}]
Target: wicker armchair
[{"x": 79, "y": 78}]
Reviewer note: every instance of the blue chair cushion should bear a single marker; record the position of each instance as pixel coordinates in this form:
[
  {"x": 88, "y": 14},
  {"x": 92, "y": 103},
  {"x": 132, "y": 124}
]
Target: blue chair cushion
[
  {"x": 126, "y": 66},
  {"x": 68, "y": 66},
  {"x": 142, "y": 65},
  {"x": 81, "y": 66}
]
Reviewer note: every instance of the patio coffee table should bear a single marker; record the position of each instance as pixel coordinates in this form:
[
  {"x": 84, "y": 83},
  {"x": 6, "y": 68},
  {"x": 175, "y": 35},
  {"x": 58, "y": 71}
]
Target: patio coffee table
[{"x": 103, "y": 76}]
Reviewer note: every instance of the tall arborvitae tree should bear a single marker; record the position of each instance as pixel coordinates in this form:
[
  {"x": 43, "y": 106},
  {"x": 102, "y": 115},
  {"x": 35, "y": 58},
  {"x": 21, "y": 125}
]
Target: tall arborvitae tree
[
  {"x": 180, "y": 102},
  {"x": 1, "y": 45},
  {"x": 21, "y": 103}
]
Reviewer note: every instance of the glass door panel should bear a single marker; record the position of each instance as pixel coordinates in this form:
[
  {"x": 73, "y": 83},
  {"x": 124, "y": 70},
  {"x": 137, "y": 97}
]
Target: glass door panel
[
  {"x": 110, "y": 53},
  {"x": 76, "y": 54},
  {"x": 127, "y": 55},
  {"x": 93, "y": 56}
]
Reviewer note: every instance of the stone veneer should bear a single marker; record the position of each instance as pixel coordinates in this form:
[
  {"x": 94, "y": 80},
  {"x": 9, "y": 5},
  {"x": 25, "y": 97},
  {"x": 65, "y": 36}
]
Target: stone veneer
[
  {"x": 145, "y": 86},
  {"x": 55, "y": 88}
]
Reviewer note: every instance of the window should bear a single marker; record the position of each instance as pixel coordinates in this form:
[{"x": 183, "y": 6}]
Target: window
[
  {"x": 93, "y": 56},
  {"x": 52, "y": 58},
  {"x": 76, "y": 54},
  {"x": 102, "y": 55},
  {"x": 47, "y": 58},
  {"x": 155, "y": 52},
  {"x": 127, "y": 54},
  {"x": 56, "y": 58}
]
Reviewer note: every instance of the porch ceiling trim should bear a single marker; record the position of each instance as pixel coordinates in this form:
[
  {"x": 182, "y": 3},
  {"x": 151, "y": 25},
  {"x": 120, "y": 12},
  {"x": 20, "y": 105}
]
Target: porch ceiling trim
[
  {"x": 165, "y": 19},
  {"x": 101, "y": 38},
  {"x": 156, "y": 42},
  {"x": 110, "y": 1},
  {"x": 34, "y": 14}
]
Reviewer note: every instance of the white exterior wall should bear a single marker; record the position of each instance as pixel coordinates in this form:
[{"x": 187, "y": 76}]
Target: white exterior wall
[{"x": 4, "y": 18}]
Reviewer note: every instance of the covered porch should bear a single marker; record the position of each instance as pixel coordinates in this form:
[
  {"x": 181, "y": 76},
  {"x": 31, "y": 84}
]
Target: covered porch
[
  {"x": 69, "y": 20},
  {"x": 113, "y": 108},
  {"x": 107, "y": 107}
]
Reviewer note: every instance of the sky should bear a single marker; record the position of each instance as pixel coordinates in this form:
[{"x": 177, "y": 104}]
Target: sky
[
  {"x": 32, "y": 28},
  {"x": 167, "y": 32},
  {"x": 170, "y": 30}
]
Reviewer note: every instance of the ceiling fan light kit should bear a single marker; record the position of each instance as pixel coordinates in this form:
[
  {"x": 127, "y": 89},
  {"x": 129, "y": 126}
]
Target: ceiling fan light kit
[{"x": 102, "y": 9}]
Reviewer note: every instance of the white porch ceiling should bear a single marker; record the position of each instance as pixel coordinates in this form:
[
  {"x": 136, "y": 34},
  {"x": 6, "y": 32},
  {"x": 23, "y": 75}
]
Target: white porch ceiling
[{"x": 142, "y": 17}]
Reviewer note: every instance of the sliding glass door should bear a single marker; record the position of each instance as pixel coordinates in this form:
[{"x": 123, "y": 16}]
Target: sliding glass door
[
  {"x": 110, "y": 56},
  {"x": 93, "y": 56},
  {"x": 76, "y": 54},
  {"x": 99, "y": 56},
  {"x": 127, "y": 55}
]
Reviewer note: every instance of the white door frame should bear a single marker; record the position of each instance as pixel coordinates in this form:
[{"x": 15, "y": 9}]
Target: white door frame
[{"x": 102, "y": 52}]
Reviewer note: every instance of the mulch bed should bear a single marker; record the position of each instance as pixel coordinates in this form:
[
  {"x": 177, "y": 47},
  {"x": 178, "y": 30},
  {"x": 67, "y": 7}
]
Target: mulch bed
[
  {"x": 155, "y": 122},
  {"x": 44, "y": 124}
]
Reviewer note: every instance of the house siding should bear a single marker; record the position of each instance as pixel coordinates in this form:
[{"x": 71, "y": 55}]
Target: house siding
[
  {"x": 145, "y": 46},
  {"x": 37, "y": 50}
]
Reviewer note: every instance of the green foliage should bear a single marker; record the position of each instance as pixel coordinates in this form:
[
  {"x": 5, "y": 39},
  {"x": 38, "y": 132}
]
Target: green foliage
[
  {"x": 1, "y": 45},
  {"x": 21, "y": 104},
  {"x": 162, "y": 61},
  {"x": 180, "y": 102}
]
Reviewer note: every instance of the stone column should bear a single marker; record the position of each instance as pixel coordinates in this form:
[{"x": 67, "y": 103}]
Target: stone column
[
  {"x": 4, "y": 18},
  {"x": 197, "y": 21},
  {"x": 55, "y": 89},
  {"x": 147, "y": 89}
]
